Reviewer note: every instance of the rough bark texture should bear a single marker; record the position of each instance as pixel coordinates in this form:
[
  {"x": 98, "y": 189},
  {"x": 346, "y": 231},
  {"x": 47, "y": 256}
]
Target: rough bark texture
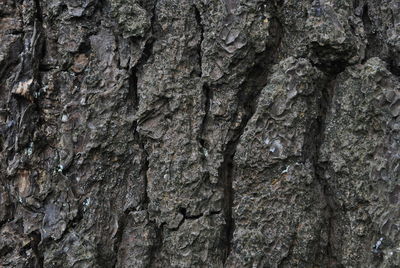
[{"x": 199, "y": 133}]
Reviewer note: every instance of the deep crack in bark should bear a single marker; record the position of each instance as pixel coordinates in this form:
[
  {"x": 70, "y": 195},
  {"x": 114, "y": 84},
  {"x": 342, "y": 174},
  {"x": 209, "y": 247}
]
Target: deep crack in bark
[
  {"x": 144, "y": 167},
  {"x": 252, "y": 86},
  {"x": 247, "y": 98},
  {"x": 201, "y": 27},
  {"x": 207, "y": 93},
  {"x": 133, "y": 97},
  {"x": 185, "y": 217},
  {"x": 133, "y": 78},
  {"x": 155, "y": 250},
  {"x": 315, "y": 140},
  {"x": 34, "y": 244}
]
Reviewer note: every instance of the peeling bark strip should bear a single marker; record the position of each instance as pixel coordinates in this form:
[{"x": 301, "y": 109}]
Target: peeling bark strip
[{"x": 199, "y": 133}]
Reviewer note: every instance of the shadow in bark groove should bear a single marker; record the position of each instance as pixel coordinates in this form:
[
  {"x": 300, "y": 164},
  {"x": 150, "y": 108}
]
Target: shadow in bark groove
[{"x": 252, "y": 86}]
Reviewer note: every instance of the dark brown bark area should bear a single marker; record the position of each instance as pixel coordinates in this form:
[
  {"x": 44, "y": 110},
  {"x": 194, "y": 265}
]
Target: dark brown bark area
[{"x": 209, "y": 133}]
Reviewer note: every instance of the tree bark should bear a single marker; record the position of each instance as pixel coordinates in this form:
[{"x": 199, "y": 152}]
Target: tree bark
[{"x": 199, "y": 133}]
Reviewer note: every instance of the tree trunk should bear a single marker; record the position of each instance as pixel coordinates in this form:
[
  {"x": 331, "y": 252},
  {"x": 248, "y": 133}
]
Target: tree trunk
[{"x": 199, "y": 133}]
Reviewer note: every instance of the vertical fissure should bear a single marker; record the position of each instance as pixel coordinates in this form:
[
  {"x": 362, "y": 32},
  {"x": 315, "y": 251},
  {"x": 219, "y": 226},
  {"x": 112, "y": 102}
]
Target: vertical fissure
[
  {"x": 375, "y": 46},
  {"x": 227, "y": 167},
  {"x": 145, "y": 55},
  {"x": 38, "y": 11},
  {"x": 35, "y": 241},
  {"x": 256, "y": 80},
  {"x": 207, "y": 95},
  {"x": 36, "y": 54},
  {"x": 154, "y": 252},
  {"x": 371, "y": 36},
  {"x": 197, "y": 16},
  {"x": 122, "y": 222},
  {"x": 314, "y": 142},
  {"x": 37, "y": 40},
  {"x": 206, "y": 91},
  {"x": 133, "y": 94},
  {"x": 325, "y": 103},
  {"x": 247, "y": 98},
  {"x": 144, "y": 168},
  {"x": 134, "y": 99},
  {"x": 311, "y": 152}
]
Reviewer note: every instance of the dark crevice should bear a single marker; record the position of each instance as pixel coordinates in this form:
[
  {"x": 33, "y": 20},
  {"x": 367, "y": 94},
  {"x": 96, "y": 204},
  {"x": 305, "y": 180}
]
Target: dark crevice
[
  {"x": 225, "y": 171},
  {"x": 122, "y": 222},
  {"x": 145, "y": 199},
  {"x": 189, "y": 217},
  {"x": 319, "y": 132},
  {"x": 179, "y": 225},
  {"x": 101, "y": 6},
  {"x": 134, "y": 100},
  {"x": 279, "y": 3},
  {"x": 147, "y": 52},
  {"x": 5, "y": 250},
  {"x": 38, "y": 11},
  {"x": 15, "y": 32},
  {"x": 312, "y": 147},
  {"x": 214, "y": 212},
  {"x": 199, "y": 51},
  {"x": 185, "y": 217},
  {"x": 35, "y": 240},
  {"x": 37, "y": 44},
  {"x": 207, "y": 95},
  {"x": 6, "y": 220},
  {"x": 321, "y": 59},
  {"x": 133, "y": 95},
  {"x": 394, "y": 65},
  {"x": 225, "y": 175},
  {"x": 247, "y": 99},
  {"x": 9, "y": 208},
  {"x": 375, "y": 46},
  {"x": 157, "y": 246},
  {"x": 13, "y": 60},
  {"x": 153, "y": 17},
  {"x": 85, "y": 47},
  {"x": 330, "y": 255},
  {"x": 144, "y": 170},
  {"x": 371, "y": 38},
  {"x": 356, "y": 3}
]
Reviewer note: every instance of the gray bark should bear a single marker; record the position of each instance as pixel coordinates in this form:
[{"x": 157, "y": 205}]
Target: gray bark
[{"x": 199, "y": 133}]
